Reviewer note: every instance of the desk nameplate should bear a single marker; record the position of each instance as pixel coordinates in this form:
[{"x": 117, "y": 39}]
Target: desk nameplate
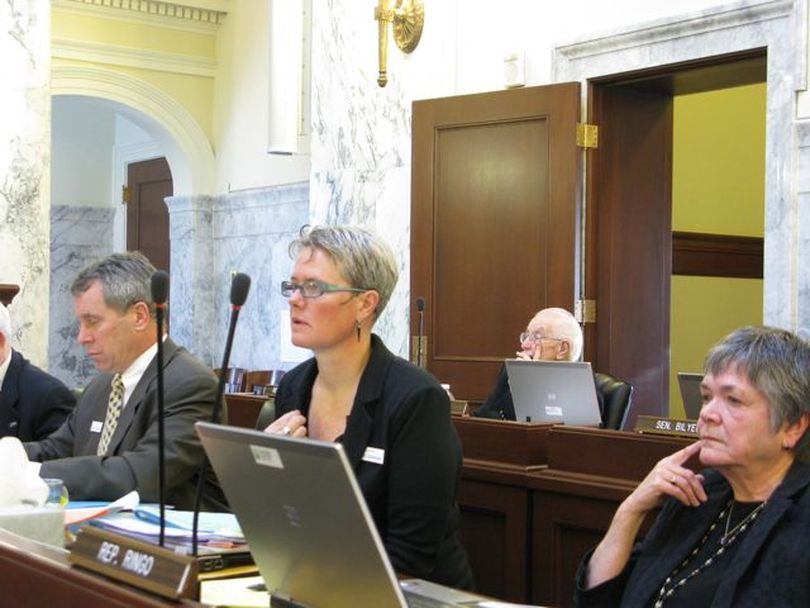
[
  {"x": 666, "y": 426},
  {"x": 149, "y": 567}
]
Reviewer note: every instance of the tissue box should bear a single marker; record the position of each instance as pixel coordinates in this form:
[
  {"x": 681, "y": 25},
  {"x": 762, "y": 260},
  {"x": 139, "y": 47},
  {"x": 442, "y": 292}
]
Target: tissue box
[{"x": 44, "y": 524}]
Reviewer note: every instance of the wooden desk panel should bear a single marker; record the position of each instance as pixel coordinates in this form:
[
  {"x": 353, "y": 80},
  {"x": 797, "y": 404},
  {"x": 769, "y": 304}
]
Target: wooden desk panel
[
  {"x": 590, "y": 472},
  {"x": 243, "y": 408},
  {"x": 33, "y": 575}
]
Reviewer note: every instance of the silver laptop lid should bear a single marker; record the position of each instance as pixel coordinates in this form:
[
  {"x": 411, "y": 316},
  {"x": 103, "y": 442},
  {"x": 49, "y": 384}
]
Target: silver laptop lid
[
  {"x": 304, "y": 517},
  {"x": 689, "y": 385},
  {"x": 553, "y": 391}
]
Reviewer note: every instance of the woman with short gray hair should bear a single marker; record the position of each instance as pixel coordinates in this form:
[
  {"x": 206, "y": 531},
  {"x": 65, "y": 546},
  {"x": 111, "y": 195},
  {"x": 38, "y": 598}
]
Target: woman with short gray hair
[
  {"x": 392, "y": 417},
  {"x": 735, "y": 534}
]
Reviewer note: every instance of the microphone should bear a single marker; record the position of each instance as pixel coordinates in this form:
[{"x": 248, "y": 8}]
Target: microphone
[
  {"x": 420, "y": 355},
  {"x": 160, "y": 291},
  {"x": 240, "y": 285}
]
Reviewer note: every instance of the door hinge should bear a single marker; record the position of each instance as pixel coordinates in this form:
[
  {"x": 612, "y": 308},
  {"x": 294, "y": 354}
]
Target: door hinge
[
  {"x": 585, "y": 311},
  {"x": 587, "y": 135},
  {"x": 126, "y": 195}
]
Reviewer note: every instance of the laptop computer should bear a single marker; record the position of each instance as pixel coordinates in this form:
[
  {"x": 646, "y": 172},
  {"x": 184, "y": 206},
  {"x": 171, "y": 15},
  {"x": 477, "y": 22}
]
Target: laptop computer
[
  {"x": 553, "y": 391},
  {"x": 311, "y": 534},
  {"x": 689, "y": 385}
]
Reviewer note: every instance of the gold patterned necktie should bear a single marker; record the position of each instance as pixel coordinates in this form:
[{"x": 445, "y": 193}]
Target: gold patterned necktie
[{"x": 114, "y": 406}]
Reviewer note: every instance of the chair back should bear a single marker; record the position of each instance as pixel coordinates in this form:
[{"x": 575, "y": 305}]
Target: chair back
[
  {"x": 616, "y": 398},
  {"x": 266, "y": 415}
]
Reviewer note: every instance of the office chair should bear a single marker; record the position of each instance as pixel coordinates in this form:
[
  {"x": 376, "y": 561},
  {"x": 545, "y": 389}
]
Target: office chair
[
  {"x": 616, "y": 398},
  {"x": 266, "y": 415}
]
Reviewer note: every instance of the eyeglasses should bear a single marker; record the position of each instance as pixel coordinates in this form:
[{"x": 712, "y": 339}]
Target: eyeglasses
[
  {"x": 534, "y": 337},
  {"x": 312, "y": 288}
]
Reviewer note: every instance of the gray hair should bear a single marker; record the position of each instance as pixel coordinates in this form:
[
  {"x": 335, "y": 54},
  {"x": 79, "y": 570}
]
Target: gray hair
[
  {"x": 361, "y": 256},
  {"x": 5, "y": 322},
  {"x": 126, "y": 278},
  {"x": 565, "y": 328},
  {"x": 776, "y": 363}
]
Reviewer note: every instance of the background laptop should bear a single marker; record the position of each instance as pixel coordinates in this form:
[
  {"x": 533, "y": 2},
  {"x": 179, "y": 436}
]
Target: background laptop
[
  {"x": 553, "y": 391},
  {"x": 307, "y": 524},
  {"x": 689, "y": 384}
]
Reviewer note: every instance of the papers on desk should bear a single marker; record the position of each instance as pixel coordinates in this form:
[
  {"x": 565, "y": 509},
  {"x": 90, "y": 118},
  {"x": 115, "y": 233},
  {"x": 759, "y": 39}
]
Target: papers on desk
[
  {"x": 220, "y": 529},
  {"x": 78, "y": 512}
]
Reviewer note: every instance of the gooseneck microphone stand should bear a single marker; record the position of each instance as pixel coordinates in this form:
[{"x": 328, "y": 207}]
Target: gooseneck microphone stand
[
  {"x": 160, "y": 292},
  {"x": 240, "y": 285}
]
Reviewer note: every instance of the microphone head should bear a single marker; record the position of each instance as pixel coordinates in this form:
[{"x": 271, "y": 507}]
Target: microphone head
[
  {"x": 160, "y": 287},
  {"x": 240, "y": 285},
  {"x": 420, "y": 304}
]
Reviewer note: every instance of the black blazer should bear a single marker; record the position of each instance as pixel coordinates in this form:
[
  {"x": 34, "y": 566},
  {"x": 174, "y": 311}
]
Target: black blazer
[
  {"x": 33, "y": 403},
  {"x": 770, "y": 568},
  {"x": 407, "y": 458},
  {"x": 499, "y": 403},
  {"x": 132, "y": 463}
]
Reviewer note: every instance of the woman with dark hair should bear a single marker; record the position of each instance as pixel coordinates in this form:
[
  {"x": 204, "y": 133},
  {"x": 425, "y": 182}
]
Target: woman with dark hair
[
  {"x": 737, "y": 533},
  {"x": 392, "y": 417}
]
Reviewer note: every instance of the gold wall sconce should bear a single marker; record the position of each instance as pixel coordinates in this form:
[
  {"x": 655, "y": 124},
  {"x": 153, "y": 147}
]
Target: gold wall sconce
[{"x": 408, "y": 18}]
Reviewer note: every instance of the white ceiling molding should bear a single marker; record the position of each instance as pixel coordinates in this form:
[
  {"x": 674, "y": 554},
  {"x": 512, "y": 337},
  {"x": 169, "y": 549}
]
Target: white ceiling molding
[
  {"x": 188, "y": 150},
  {"x": 191, "y": 15},
  {"x": 163, "y": 61}
]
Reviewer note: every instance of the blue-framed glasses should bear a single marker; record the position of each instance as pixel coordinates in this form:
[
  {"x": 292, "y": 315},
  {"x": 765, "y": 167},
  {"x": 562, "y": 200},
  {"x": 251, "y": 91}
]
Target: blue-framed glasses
[{"x": 313, "y": 288}]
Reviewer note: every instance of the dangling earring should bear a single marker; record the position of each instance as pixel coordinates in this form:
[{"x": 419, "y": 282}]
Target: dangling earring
[{"x": 357, "y": 325}]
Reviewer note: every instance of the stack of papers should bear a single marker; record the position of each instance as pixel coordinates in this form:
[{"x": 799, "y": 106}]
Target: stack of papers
[{"x": 214, "y": 529}]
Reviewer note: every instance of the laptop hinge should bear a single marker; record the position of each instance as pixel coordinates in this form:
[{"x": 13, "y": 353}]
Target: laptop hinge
[{"x": 281, "y": 601}]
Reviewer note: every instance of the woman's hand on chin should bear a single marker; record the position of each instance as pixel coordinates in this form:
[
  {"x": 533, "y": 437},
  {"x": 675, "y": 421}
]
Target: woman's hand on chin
[
  {"x": 293, "y": 424},
  {"x": 669, "y": 478}
]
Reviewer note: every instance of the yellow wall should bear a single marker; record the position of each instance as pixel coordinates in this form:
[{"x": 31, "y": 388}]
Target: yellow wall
[
  {"x": 717, "y": 187},
  {"x": 194, "y": 92}
]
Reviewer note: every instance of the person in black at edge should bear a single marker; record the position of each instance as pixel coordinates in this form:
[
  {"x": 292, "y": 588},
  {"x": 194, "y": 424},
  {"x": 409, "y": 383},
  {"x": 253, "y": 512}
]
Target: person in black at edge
[{"x": 736, "y": 534}]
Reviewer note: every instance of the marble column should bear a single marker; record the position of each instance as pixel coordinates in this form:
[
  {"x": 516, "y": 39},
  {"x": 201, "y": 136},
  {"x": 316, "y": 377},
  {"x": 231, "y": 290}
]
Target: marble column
[{"x": 24, "y": 168}]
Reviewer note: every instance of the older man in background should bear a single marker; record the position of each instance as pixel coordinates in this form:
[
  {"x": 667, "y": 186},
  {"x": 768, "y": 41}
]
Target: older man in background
[
  {"x": 33, "y": 403},
  {"x": 553, "y": 334},
  {"x": 109, "y": 446}
]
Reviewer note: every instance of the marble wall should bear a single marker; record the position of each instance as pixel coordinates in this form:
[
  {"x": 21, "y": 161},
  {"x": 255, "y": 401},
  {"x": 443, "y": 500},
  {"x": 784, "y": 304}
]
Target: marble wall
[
  {"x": 361, "y": 145},
  {"x": 79, "y": 236},
  {"x": 24, "y": 158},
  {"x": 214, "y": 236}
]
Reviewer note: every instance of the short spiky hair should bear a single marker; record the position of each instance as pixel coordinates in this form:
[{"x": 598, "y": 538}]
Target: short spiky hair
[
  {"x": 361, "y": 256},
  {"x": 126, "y": 278}
]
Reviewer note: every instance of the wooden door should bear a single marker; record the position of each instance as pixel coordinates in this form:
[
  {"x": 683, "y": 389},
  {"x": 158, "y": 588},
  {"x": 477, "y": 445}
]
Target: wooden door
[
  {"x": 149, "y": 183},
  {"x": 494, "y": 223}
]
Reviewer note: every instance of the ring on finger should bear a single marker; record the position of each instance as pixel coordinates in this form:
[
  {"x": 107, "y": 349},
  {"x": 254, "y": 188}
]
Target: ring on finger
[{"x": 286, "y": 430}]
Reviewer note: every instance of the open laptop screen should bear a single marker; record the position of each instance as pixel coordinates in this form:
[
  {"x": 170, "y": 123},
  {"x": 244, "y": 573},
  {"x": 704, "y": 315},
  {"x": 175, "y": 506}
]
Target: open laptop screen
[
  {"x": 553, "y": 391},
  {"x": 689, "y": 385}
]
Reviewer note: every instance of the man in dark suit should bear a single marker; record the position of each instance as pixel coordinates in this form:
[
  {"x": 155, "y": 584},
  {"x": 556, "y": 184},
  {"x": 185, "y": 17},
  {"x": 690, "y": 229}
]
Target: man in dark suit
[
  {"x": 553, "y": 334},
  {"x": 32, "y": 402},
  {"x": 108, "y": 446}
]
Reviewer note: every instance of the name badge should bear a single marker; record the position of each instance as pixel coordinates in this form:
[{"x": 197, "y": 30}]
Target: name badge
[
  {"x": 374, "y": 455},
  {"x": 95, "y": 426}
]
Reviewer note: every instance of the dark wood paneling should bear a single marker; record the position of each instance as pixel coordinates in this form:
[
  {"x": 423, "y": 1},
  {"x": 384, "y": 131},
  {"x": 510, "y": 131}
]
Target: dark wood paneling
[
  {"x": 495, "y": 532},
  {"x": 629, "y": 260},
  {"x": 717, "y": 255},
  {"x": 150, "y": 182},
  {"x": 493, "y": 223}
]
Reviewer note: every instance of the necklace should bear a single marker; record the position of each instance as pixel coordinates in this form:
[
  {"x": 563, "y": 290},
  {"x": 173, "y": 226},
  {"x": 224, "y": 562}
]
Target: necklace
[{"x": 729, "y": 536}]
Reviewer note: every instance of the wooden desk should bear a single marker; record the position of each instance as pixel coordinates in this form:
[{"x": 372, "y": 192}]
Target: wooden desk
[
  {"x": 243, "y": 408},
  {"x": 34, "y": 575},
  {"x": 534, "y": 498}
]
